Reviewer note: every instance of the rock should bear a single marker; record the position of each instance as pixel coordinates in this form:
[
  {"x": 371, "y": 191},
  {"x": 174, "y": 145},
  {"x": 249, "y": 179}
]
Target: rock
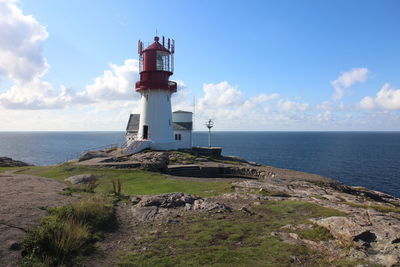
[
  {"x": 92, "y": 154},
  {"x": 188, "y": 206},
  {"x": 201, "y": 204},
  {"x": 80, "y": 179},
  {"x": 170, "y": 200},
  {"x": 9, "y": 162},
  {"x": 152, "y": 161},
  {"x": 145, "y": 213},
  {"x": 135, "y": 200},
  {"x": 341, "y": 227}
]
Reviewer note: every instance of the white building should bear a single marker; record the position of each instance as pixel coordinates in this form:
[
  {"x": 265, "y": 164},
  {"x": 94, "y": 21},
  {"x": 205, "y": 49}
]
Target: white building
[{"x": 182, "y": 126}]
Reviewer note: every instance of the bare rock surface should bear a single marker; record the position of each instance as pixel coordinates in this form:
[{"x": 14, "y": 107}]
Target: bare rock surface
[
  {"x": 81, "y": 179},
  {"x": 93, "y": 154},
  {"x": 151, "y": 208},
  {"x": 152, "y": 160},
  {"x": 9, "y": 162},
  {"x": 23, "y": 200}
]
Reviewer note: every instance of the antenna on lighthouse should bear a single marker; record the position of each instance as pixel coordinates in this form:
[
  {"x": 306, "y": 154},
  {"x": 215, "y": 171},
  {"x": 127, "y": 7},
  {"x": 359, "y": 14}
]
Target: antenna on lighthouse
[{"x": 209, "y": 124}]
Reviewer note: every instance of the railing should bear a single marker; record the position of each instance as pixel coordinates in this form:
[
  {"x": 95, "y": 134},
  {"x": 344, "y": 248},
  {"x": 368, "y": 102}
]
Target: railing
[{"x": 156, "y": 85}]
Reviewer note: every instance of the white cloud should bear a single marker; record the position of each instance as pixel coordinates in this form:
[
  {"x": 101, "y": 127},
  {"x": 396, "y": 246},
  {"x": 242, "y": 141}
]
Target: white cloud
[
  {"x": 346, "y": 80},
  {"x": 21, "y": 38},
  {"x": 289, "y": 106},
  {"x": 258, "y": 99},
  {"x": 115, "y": 84},
  {"x": 387, "y": 98},
  {"x": 220, "y": 95},
  {"x": 325, "y": 116},
  {"x": 367, "y": 103},
  {"x": 226, "y": 100},
  {"x": 22, "y": 61},
  {"x": 325, "y": 105}
]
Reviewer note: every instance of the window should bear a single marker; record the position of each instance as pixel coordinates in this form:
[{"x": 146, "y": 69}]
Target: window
[
  {"x": 178, "y": 137},
  {"x": 147, "y": 97},
  {"x": 169, "y": 122}
]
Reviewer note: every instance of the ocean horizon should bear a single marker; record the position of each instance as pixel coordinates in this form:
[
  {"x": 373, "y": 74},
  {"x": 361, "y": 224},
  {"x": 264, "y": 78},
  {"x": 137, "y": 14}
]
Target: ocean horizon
[{"x": 362, "y": 158}]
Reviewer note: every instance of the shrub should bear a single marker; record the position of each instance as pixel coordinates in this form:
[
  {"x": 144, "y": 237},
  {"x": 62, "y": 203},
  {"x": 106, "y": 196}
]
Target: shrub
[
  {"x": 67, "y": 232},
  {"x": 89, "y": 187},
  {"x": 92, "y": 210},
  {"x": 54, "y": 241},
  {"x": 116, "y": 187}
]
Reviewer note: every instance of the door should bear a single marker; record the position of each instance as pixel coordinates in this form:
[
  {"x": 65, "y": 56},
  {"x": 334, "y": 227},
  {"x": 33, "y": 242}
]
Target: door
[{"x": 145, "y": 131}]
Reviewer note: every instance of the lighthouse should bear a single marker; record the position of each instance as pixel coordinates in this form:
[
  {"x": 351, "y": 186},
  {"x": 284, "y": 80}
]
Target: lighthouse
[{"x": 155, "y": 128}]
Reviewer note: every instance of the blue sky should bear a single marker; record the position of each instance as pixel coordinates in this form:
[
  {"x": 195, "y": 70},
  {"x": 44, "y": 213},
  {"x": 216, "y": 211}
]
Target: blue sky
[{"x": 252, "y": 65}]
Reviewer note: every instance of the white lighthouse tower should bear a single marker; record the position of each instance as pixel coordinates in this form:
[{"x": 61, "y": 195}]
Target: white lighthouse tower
[{"x": 155, "y": 129}]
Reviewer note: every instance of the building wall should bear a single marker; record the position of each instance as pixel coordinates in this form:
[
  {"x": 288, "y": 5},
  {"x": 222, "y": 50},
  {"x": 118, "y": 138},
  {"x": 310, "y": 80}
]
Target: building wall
[
  {"x": 130, "y": 137},
  {"x": 186, "y": 138},
  {"x": 156, "y": 113}
]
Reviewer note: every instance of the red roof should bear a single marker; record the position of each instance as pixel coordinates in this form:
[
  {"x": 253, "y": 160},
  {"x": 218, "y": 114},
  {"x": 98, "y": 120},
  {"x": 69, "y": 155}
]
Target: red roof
[{"x": 156, "y": 46}]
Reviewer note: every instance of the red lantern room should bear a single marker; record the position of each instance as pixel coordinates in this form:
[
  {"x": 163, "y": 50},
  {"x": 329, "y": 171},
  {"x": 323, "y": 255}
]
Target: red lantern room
[{"x": 156, "y": 65}]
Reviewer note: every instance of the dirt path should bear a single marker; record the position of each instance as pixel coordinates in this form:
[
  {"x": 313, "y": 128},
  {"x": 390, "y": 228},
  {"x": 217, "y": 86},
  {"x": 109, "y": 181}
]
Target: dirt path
[{"x": 23, "y": 200}]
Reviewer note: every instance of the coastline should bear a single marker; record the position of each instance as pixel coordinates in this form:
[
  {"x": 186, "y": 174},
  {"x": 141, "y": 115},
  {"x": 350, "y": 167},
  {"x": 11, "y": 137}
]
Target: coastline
[{"x": 368, "y": 220}]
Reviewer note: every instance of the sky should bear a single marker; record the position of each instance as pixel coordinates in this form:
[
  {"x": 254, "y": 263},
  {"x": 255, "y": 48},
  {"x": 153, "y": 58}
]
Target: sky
[{"x": 286, "y": 65}]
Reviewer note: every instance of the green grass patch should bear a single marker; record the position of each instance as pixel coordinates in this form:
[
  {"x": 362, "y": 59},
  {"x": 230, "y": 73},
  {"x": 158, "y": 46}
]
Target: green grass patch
[
  {"x": 271, "y": 193},
  {"x": 3, "y": 169},
  {"x": 229, "y": 239},
  {"x": 317, "y": 233},
  {"x": 68, "y": 232},
  {"x": 133, "y": 181}
]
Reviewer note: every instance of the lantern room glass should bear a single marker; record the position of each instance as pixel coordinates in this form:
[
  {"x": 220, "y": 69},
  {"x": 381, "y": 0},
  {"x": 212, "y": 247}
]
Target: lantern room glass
[{"x": 163, "y": 61}]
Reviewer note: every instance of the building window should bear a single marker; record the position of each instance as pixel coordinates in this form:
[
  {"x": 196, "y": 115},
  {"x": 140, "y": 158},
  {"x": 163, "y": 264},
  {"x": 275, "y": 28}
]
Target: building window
[
  {"x": 178, "y": 137},
  {"x": 169, "y": 122},
  {"x": 147, "y": 97}
]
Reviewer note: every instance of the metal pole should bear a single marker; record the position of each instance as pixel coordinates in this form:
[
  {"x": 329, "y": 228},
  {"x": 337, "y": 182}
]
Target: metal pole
[{"x": 209, "y": 137}]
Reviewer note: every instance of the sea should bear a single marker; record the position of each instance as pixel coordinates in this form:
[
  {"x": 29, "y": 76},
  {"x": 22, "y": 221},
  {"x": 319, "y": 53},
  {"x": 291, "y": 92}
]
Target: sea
[{"x": 369, "y": 159}]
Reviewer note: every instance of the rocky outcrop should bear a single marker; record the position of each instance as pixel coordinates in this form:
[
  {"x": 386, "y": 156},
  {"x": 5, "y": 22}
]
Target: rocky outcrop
[
  {"x": 152, "y": 160},
  {"x": 9, "y": 162},
  {"x": 93, "y": 154},
  {"x": 150, "y": 208},
  {"x": 171, "y": 200},
  {"x": 374, "y": 236},
  {"x": 81, "y": 179},
  {"x": 371, "y": 225}
]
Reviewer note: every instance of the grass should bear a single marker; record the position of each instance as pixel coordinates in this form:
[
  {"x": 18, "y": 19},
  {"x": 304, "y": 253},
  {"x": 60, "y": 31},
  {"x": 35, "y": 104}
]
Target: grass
[
  {"x": 67, "y": 232},
  {"x": 229, "y": 239},
  {"x": 3, "y": 169},
  {"x": 80, "y": 188},
  {"x": 317, "y": 233},
  {"x": 134, "y": 181},
  {"x": 272, "y": 193}
]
